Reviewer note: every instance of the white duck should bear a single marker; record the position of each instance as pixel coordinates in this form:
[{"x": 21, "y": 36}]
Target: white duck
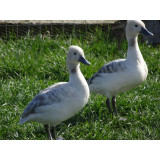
[
  {"x": 63, "y": 100},
  {"x": 123, "y": 74}
]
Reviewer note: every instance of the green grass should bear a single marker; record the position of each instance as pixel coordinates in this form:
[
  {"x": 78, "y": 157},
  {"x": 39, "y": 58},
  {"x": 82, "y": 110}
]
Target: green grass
[{"x": 32, "y": 63}]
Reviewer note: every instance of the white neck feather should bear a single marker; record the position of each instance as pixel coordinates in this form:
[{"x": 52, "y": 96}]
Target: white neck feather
[
  {"x": 75, "y": 74},
  {"x": 133, "y": 52}
]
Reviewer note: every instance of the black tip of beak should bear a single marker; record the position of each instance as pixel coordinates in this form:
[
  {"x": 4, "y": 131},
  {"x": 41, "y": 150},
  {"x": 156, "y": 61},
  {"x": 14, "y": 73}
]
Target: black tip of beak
[
  {"x": 146, "y": 32},
  {"x": 84, "y": 61}
]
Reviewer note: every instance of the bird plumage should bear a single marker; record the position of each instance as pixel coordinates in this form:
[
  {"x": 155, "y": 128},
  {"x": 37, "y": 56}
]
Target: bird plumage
[
  {"x": 60, "y": 101},
  {"x": 124, "y": 74}
]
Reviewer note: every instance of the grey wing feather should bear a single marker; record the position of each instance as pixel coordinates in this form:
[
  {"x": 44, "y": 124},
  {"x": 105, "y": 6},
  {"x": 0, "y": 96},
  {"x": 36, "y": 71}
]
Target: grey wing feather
[
  {"x": 45, "y": 97},
  {"x": 112, "y": 67}
]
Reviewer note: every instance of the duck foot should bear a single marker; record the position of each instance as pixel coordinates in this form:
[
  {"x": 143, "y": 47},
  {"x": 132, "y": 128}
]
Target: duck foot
[
  {"x": 60, "y": 138},
  {"x": 122, "y": 119}
]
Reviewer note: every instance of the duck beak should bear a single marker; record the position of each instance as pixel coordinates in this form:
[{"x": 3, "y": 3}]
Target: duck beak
[
  {"x": 83, "y": 60},
  {"x": 146, "y": 32}
]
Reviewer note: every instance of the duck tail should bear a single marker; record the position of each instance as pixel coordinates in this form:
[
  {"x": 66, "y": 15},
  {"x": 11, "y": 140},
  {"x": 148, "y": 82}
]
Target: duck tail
[{"x": 22, "y": 120}]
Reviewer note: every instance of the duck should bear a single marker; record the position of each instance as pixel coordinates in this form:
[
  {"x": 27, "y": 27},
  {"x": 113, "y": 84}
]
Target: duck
[
  {"x": 62, "y": 100},
  {"x": 122, "y": 75}
]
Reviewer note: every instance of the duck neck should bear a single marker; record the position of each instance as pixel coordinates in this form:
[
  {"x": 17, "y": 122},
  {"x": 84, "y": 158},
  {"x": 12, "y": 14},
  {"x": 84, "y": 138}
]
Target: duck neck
[
  {"x": 73, "y": 68},
  {"x": 133, "y": 52},
  {"x": 74, "y": 72}
]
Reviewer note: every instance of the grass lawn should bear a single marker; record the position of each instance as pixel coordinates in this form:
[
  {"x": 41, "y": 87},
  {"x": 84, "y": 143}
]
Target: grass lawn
[{"x": 32, "y": 63}]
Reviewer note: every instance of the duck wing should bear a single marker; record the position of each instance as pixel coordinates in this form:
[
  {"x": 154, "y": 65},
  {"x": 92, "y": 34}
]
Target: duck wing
[
  {"x": 50, "y": 95},
  {"x": 111, "y": 67}
]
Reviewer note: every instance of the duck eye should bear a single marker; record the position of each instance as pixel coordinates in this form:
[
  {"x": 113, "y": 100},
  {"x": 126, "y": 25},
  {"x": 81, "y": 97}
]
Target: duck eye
[
  {"x": 136, "y": 25},
  {"x": 74, "y": 53}
]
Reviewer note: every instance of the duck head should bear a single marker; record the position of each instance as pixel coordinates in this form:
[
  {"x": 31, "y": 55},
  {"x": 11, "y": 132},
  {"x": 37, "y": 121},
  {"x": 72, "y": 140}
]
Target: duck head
[
  {"x": 135, "y": 27},
  {"x": 75, "y": 56}
]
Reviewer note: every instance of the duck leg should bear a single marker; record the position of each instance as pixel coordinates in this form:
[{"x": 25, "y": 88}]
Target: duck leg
[
  {"x": 53, "y": 132},
  {"x": 47, "y": 129},
  {"x": 114, "y": 105},
  {"x": 108, "y": 103}
]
